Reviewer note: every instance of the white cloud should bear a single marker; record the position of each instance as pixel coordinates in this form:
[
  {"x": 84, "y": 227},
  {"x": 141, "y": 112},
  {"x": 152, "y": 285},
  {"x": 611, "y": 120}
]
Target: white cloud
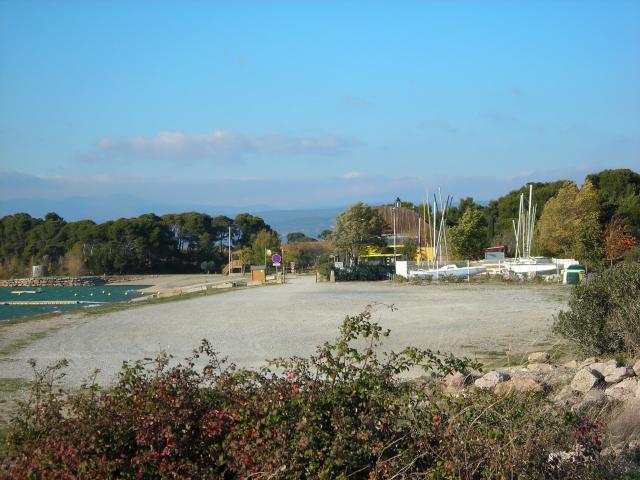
[
  {"x": 217, "y": 145},
  {"x": 352, "y": 175}
]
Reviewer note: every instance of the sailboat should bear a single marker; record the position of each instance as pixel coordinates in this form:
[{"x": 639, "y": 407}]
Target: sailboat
[
  {"x": 437, "y": 232},
  {"x": 524, "y": 263}
]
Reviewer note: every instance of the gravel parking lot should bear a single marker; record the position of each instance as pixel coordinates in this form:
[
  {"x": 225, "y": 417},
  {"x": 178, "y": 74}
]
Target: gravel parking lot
[{"x": 253, "y": 324}]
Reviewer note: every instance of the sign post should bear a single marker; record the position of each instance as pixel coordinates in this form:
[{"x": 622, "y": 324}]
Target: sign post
[{"x": 276, "y": 259}]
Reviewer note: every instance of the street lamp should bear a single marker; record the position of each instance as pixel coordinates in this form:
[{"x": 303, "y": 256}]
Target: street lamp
[{"x": 396, "y": 206}]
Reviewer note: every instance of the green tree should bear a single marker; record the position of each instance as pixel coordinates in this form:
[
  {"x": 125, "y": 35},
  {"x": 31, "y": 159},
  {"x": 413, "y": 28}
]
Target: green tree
[
  {"x": 468, "y": 238},
  {"x": 455, "y": 213},
  {"x": 249, "y": 226},
  {"x": 409, "y": 249},
  {"x": 358, "y": 227},
  {"x": 264, "y": 240},
  {"x": 618, "y": 196},
  {"x": 297, "y": 237},
  {"x": 325, "y": 235},
  {"x": 501, "y": 212},
  {"x": 569, "y": 223},
  {"x": 73, "y": 261}
]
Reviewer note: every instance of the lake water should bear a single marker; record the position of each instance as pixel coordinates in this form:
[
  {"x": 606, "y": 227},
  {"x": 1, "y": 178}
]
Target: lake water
[{"x": 102, "y": 293}]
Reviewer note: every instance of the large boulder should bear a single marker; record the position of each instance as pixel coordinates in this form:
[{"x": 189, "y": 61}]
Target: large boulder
[
  {"x": 636, "y": 367},
  {"x": 615, "y": 375},
  {"x": 491, "y": 379},
  {"x": 538, "y": 357},
  {"x": 585, "y": 380},
  {"x": 625, "y": 390}
]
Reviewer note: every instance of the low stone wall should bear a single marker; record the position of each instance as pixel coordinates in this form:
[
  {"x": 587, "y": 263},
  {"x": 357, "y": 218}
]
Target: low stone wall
[
  {"x": 591, "y": 383},
  {"x": 52, "y": 282}
]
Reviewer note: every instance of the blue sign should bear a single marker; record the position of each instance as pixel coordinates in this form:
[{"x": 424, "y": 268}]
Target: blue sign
[{"x": 276, "y": 258}]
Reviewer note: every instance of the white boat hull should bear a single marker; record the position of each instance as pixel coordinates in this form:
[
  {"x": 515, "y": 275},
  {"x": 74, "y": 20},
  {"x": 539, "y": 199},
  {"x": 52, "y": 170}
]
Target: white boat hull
[
  {"x": 532, "y": 266},
  {"x": 448, "y": 271}
]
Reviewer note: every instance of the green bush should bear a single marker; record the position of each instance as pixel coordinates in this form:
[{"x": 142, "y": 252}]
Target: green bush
[
  {"x": 344, "y": 412},
  {"x": 324, "y": 264},
  {"x": 365, "y": 273},
  {"x": 633, "y": 254},
  {"x": 604, "y": 313}
]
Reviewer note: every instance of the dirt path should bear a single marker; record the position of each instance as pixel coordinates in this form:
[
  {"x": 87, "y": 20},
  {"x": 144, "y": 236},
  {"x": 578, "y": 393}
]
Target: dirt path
[{"x": 251, "y": 325}]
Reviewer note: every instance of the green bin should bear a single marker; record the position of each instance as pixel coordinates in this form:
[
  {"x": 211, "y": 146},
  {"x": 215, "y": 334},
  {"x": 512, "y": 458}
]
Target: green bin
[{"x": 573, "y": 274}]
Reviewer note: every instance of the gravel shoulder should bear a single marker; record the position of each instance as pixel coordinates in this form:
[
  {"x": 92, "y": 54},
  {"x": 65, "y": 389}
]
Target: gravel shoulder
[{"x": 251, "y": 325}]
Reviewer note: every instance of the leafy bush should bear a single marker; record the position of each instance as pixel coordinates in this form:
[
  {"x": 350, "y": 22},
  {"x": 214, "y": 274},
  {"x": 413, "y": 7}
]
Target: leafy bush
[
  {"x": 344, "y": 412},
  {"x": 604, "y": 313},
  {"x": 633, "y": 255},
  {"x": 364, "y": 273},
  {"x": 324, "y": 264}
]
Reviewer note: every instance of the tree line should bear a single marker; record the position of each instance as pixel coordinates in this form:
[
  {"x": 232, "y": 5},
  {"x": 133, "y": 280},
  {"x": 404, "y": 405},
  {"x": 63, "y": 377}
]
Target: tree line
[
  {"x": 596, "y": 223},
  {"x": 172, "y": 243}
]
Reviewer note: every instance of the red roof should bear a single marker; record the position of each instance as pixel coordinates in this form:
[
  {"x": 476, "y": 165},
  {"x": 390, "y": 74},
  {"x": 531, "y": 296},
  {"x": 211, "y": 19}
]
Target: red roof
[{"x": 497, "y": 248}]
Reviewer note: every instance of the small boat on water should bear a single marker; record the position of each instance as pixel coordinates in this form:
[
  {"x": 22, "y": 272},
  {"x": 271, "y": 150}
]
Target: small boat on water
[
  {"x": 28, "y": 292},
  {"x": 447, "y": 271}
]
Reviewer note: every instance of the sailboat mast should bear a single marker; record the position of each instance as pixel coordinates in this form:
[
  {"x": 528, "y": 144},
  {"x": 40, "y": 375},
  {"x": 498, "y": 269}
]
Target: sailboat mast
[{"x": 529, "y": 221}]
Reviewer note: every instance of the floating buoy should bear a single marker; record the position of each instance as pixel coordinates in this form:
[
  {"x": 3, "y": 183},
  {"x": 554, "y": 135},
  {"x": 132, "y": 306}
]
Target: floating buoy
[
  {"x": 103, "y": 291},
  {"x": 91, "y": 294},
  {"x": 75, "y": 294},
  {"x": 126, "y": 293},
  {"x": 109, "y": 294}
]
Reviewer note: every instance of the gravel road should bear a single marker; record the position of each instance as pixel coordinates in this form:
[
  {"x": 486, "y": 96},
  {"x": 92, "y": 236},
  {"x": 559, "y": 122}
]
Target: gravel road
[{"x": 253, "y": 324}]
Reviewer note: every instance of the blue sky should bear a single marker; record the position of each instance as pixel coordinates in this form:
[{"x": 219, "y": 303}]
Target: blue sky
[{"x": 312, "y": 103}]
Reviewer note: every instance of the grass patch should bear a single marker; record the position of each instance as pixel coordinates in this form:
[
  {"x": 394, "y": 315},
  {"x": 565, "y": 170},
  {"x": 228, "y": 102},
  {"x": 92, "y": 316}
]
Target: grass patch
[
  {"x": 500, "y": 358},
  {"x": 32, "y": 318},
  {"x": 20, "y": 343},
  {"x": 560, "y": 351},
  {"x": 12, "y": 385}
]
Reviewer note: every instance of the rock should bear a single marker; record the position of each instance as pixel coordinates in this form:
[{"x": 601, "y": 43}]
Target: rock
[
  {"x": 571, "y": 364},
  {"x": 520, "y": 385},
  {"x": 538, "y": 357},
  {"x": 615, "y": 375},
  {"x": 585, "y": 380},
  {"x": 587, "y": 361},
  {"x": 594, "y": 395},
  {"x": 455, "y": 381},
  {"x": 459, "y": 380},
  {"x": 623, "y": 426},
  {"x": 565, "y": 397},
  {"x": 559, "y": 377},
  {"x": 625, "y": 390},
  {"x": 491, "y": 379},
  {"x": 636, "y": 367},
  {"x": 605, "y": 367},
  {"x": 540, "y": 367}
]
